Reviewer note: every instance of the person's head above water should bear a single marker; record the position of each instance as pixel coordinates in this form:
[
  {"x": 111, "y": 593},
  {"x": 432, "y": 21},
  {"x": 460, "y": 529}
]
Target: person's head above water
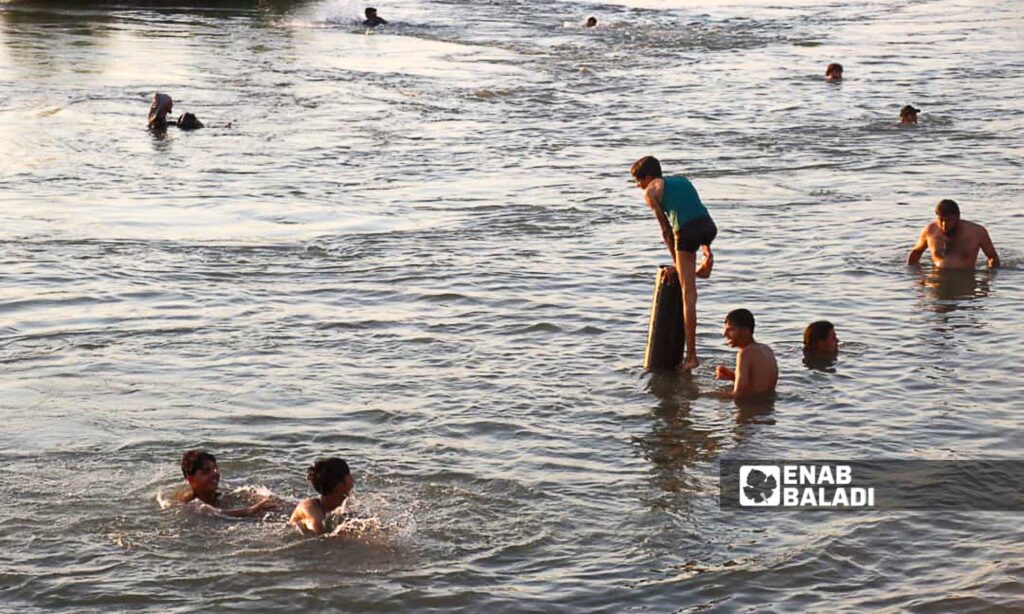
[
  {"x": 200, "y": 470},
  {"x": 908, "y": 115},
  {"x": 645, "y": 170},
  {"x": 331, "y": 477},
  {"x": 370, "y": 12},
  {"x": 188, "y": 121},
  {"x": 158, "y": 110},
  {"x": 739, "y": 327},
  {"x": 834, "y": 72},
  {"x": 947, "y": 214},
  {"x": 820, "y": 338},
  {"x": 591, "y": 22}
]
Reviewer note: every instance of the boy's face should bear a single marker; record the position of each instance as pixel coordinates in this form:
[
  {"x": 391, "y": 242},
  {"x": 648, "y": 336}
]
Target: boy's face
[
  {"x": 643, "y": 182},
  {"x": 206, "y": 479}
]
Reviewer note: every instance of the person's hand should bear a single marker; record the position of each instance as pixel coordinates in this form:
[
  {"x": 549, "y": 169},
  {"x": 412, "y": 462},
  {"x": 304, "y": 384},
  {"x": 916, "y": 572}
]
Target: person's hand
[
  {"x": 668, "y": 274},
  {"x": 724, "y": 372}
]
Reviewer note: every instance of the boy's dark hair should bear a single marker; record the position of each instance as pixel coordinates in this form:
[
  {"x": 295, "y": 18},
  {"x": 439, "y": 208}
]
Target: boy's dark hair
[
  {"x": 833, "y": 66},
  {"x": 815, "y": 332},
  {"x": 742, "y": 318},
  {"x": 647, "y": 166},
  {"x": 369, "y": 11},
  {"x": 193, "y": 461},
  {"x": 947, "y": 207},
  {"x": 327, "y": 473}
]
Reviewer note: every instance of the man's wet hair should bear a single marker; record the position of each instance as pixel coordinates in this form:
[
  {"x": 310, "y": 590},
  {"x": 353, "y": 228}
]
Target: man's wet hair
[
  {"x": 742, "y": 318},
  {"x": 833, "y": 66},
  {"x": 947, "y": 207},
  {"x": 591, "y": 22},
  {"x": 370, "y": 11},
  {"x": 193, "y": 460},
  {"x": 647, "y": 166},
  {"x": 816, "y": 332},
  {"x": 327, "y": 473}
]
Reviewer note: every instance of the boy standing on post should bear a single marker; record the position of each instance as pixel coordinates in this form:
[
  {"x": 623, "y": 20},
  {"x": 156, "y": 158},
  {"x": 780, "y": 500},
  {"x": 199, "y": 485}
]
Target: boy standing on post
[{"x": 685, "y": 226}]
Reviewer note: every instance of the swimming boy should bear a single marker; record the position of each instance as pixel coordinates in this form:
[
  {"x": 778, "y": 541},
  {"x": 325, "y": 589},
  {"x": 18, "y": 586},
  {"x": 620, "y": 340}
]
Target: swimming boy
[
  {"x": 333, "y": 480},
  {"x": 756, "y": 371},
  {"x": 685, "y": 226},
  {"x": 908, "y": 115},
  {"x": 834, "y": 72},
  {"x": 372, "y": 20},
  {"x": 591, "y": 22},
  {"x": 158, "y": 110},
  {"x": 203, "y": 476},
  {"x": 820, "y": 339},
  {"x": 954, "y": 243}
]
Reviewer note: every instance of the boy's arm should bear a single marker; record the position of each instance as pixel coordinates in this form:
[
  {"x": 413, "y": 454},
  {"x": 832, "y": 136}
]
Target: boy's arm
[
  {"x": 914, "y": 257},
  {"x": 654, "y": 203},
  {"x": 253, "y": 510},
  {"x": 989, "y": 249}
]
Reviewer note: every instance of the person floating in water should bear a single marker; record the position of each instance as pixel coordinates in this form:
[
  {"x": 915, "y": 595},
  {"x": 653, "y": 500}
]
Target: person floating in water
[
  {"x": 834, "y": 72},
  {"x": 591, "y": 22},
  {"x": 756, "y": 371},
  {"x": 820, "y": 339},
  {"x": 685, "y": 226},
  {"x": 908, "y": 115},
  {"x": 372, "y": 20},
  {"x": 954, "y": 243},
  {"x": 333, "y": 480},
  {"x": 203, "y": 476},
  {"x": 162, "y": 105}
]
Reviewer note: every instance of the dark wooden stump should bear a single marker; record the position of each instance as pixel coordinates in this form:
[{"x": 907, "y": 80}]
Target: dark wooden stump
[{"x": 665, "y": 334}]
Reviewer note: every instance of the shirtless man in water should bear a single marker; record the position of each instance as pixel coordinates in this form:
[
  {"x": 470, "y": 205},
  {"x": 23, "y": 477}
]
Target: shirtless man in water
[
  {"x": 203, "y": 476},
  {"x": 756, "y": 371},
  {"x": 333, "y": 480},
  {"x": 954, "y": 243}
]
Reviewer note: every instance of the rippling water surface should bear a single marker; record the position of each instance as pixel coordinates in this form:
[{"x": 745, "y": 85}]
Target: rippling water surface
[{"x": 419, "y": 249}]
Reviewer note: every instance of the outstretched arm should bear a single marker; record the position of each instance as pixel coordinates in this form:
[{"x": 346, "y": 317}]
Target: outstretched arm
[
  {"x": 914, "y": 257},
  {"x": 256, "y": 509},
  {"x": 989, "y": 249}
]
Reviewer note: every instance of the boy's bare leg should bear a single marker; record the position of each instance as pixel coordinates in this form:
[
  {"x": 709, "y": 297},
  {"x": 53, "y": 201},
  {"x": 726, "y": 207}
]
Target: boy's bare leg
[
  {"x": 685, "y": 263},
  {"x": 709, "y": 261}
]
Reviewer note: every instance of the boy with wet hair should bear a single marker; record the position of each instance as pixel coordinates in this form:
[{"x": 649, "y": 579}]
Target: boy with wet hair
[
  {"x": 199, "y": 467},
  {"x": 333, "y": 480},
  {"x": 820, "y": 338},
  {"x": 685, "y": 226},
  {"x": 372, "y": 20},
  {"x": 756, "y": 371},
  {"x": 834, "y": 72}
]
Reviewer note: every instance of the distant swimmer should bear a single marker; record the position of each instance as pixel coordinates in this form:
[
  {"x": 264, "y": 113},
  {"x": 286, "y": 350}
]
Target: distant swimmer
[
  {"x": 162, "y": 105},
  {"x": 756, "y": 371},
  {"x": 686, "y": 226},
  {"x": 908, "y": 116},
  {"x": 954, "y": 243},
  {"x": 372, "y": 20},
  {"x": 834, "y": 72},
  {"x": 591, "y": 22},
  {"x": 203, "y": 476},
  {"x": 820, "y": 339},
  {"x": 333, "y": 480}
]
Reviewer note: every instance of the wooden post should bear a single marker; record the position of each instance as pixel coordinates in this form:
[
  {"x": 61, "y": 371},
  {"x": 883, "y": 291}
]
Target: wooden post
[{"x": 665, "y": 334}]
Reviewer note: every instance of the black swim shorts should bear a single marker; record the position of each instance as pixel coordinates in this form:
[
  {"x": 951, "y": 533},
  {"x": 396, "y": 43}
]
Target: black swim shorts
[{"x": 694, "y": 233}]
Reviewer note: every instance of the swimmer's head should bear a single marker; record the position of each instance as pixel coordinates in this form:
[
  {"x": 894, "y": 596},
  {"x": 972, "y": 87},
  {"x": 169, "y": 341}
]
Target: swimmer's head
[
  {"x": 645, "y": 170},
  {"x": 158, "y": 110},
  {"x": 591, "y": 22},
  {"x": 947, "y": 214},
  {"x": 331, "y": 476},
  {"x": 201, "y": 472},
  {"x": 739, "y": 327},
  {"x": 188, "y": 121},
  {"x": 834, "y": 72},
  {"x": 820, "y": 338},
  {"x": 370, "y": 12},
  {"x": 908, "y": 115}
]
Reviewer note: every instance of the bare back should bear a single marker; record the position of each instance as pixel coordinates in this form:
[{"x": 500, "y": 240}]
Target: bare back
[{"x": 756, "y": 370}]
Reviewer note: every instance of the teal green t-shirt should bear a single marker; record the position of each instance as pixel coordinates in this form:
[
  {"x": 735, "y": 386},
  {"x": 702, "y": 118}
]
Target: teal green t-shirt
[{"x": 680, "y": 202}]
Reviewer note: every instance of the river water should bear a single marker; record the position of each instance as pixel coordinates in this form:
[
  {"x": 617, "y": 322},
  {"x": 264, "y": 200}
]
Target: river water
[{"x": 420, "y": 249}]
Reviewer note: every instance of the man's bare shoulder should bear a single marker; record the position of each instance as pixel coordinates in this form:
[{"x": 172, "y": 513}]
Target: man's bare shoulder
[
  {"x": 974, "y": 228},
  {"x": 307, "y": 508}
]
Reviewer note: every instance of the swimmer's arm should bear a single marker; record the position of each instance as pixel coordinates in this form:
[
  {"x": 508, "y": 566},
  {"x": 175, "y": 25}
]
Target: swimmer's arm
[
  {"x": 306, "y": 521},
  {"x": 914, "y": 257},
  {"x": 666, "y": 228},
  {"x": 741, "y": 387},
  {"x": 256, "y": 509},
  {"x": 989, "y": 249}
]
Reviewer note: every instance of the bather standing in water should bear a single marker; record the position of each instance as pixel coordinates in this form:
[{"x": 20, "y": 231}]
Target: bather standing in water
[
  {"x": 331, "y": 478},
  {"x": 203, "y": 476},
  {"x": 756, "y": 371},
  {"x": 162, "y": 105},
  {"x": 372, "y": 20},
  {"x": 954, "y": 243}
]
